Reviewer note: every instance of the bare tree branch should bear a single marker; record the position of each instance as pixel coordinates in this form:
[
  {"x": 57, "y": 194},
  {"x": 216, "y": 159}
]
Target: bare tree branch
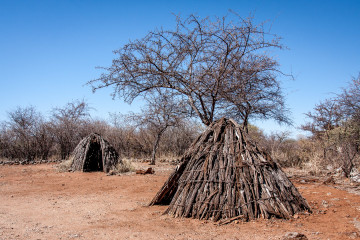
[{"x": 221, "y": 66}]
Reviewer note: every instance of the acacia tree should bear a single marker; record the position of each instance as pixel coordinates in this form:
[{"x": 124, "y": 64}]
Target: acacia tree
[{"x": 221, "y": 67}]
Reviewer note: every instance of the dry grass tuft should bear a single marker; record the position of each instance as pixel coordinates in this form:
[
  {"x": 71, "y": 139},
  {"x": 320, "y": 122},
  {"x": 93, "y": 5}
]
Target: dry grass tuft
[
  {"x": 65, "y": 166},
  {"x": 123, "y": 166}
]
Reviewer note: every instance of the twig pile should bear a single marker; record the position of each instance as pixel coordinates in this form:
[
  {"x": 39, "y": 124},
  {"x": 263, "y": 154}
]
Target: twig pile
[
  {"x": 222, "y": 176},
  {"x": 93, "y": 153}
]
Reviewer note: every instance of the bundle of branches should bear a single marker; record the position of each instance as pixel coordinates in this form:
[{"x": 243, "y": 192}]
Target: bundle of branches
[
  {"x": 94, "y": 153},
  {"x": 223, "y": 176}
]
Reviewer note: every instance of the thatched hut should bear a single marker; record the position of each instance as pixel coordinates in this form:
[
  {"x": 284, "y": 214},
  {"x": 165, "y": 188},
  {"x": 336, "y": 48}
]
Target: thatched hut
[
  {"x": 223, "y": 176},
  {"x": 94, "y": 153}
]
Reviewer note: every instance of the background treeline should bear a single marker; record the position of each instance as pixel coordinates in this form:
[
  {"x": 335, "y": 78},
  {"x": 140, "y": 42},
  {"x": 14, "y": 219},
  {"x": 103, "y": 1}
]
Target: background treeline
[
  {"x": 334, "y": 140},
  {"x": 27, "y": 135}
]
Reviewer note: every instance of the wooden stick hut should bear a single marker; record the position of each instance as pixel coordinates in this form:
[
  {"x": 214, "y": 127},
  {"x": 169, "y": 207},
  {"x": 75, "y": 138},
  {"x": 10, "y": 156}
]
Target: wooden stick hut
[
  {"x": 223, "y": 176},
  {"x": 94, "y": 153}
]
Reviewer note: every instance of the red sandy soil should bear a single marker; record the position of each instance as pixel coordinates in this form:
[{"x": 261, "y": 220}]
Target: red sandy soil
[{"x": 38, "y": 202}]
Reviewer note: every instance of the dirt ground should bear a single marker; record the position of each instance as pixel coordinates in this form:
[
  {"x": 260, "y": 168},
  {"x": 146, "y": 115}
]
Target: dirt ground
[{"x": 38, "y": 202}]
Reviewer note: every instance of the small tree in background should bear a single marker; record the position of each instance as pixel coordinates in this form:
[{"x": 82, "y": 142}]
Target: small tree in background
[
  {"x": 26, "y": 135},
  {"x": 326, "y": 116},
  {"x": 161, "y": 112},
  {"x": 349, "y": 133},
  {"x": 68, "y": 125},
  {"x": 335, "y": 124},
  {"x": 44, "y": 140}
]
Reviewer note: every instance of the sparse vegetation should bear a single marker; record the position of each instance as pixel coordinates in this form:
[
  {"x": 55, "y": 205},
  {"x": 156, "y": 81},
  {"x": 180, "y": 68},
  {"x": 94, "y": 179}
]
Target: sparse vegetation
[
  {"x": 204, "y": 69},
  {"x": 34, "y": 139},
  {"x": 335, "y": 128}
]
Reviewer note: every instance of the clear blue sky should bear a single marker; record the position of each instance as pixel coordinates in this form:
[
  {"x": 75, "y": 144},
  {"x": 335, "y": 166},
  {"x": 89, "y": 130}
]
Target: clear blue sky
[{"x": 49, "y": 49}]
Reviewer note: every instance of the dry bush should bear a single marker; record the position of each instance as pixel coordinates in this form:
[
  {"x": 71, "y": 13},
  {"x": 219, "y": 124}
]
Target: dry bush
[
  {"x": 335, "y": 128},
  {"x": 290, "y": 153},
  {"x": 65, "y": 166},
  {"x": 286, "y": 151},
  {"x": 123, "y": 166},
  {"x": 315, "y": 164}
]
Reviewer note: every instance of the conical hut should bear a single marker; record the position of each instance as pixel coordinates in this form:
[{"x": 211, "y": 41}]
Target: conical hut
[
  {"x": 94, "y": 153},
  {"x": 223, "y": 176}
]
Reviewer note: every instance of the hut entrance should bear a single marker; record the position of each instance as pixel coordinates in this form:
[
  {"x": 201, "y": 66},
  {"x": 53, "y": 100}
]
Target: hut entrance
[{"x": 93, "y": 161}]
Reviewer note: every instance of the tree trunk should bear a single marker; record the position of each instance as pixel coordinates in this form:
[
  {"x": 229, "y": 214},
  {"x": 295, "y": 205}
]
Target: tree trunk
[{"x": 156, "y": 145}]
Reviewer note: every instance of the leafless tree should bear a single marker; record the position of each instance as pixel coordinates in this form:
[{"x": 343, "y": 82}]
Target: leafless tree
[
  {"x": 221, "y": 67},
  {"x": 67, "y": 125},
  {"x": 335, "y": 123},
  {"x": 23, "y": 128},
  {"x": 176, "y": 140},
  {"x": 277, "y": 139},
  {"x": 161, "y": 112},
  {"x": 325, "y": 117},
  {"x": 349, "y": 135},
  {"x": 44, "y": 140},
  {"x": 349, "y": 99}
]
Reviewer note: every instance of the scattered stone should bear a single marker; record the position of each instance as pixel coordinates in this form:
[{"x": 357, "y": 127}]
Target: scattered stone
[
  {"x": 148, "y": 171},
  {"x": 294, "y": 236},
  {"x": 74, "y": 236},
  {"x": 322, "y": 211}
]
